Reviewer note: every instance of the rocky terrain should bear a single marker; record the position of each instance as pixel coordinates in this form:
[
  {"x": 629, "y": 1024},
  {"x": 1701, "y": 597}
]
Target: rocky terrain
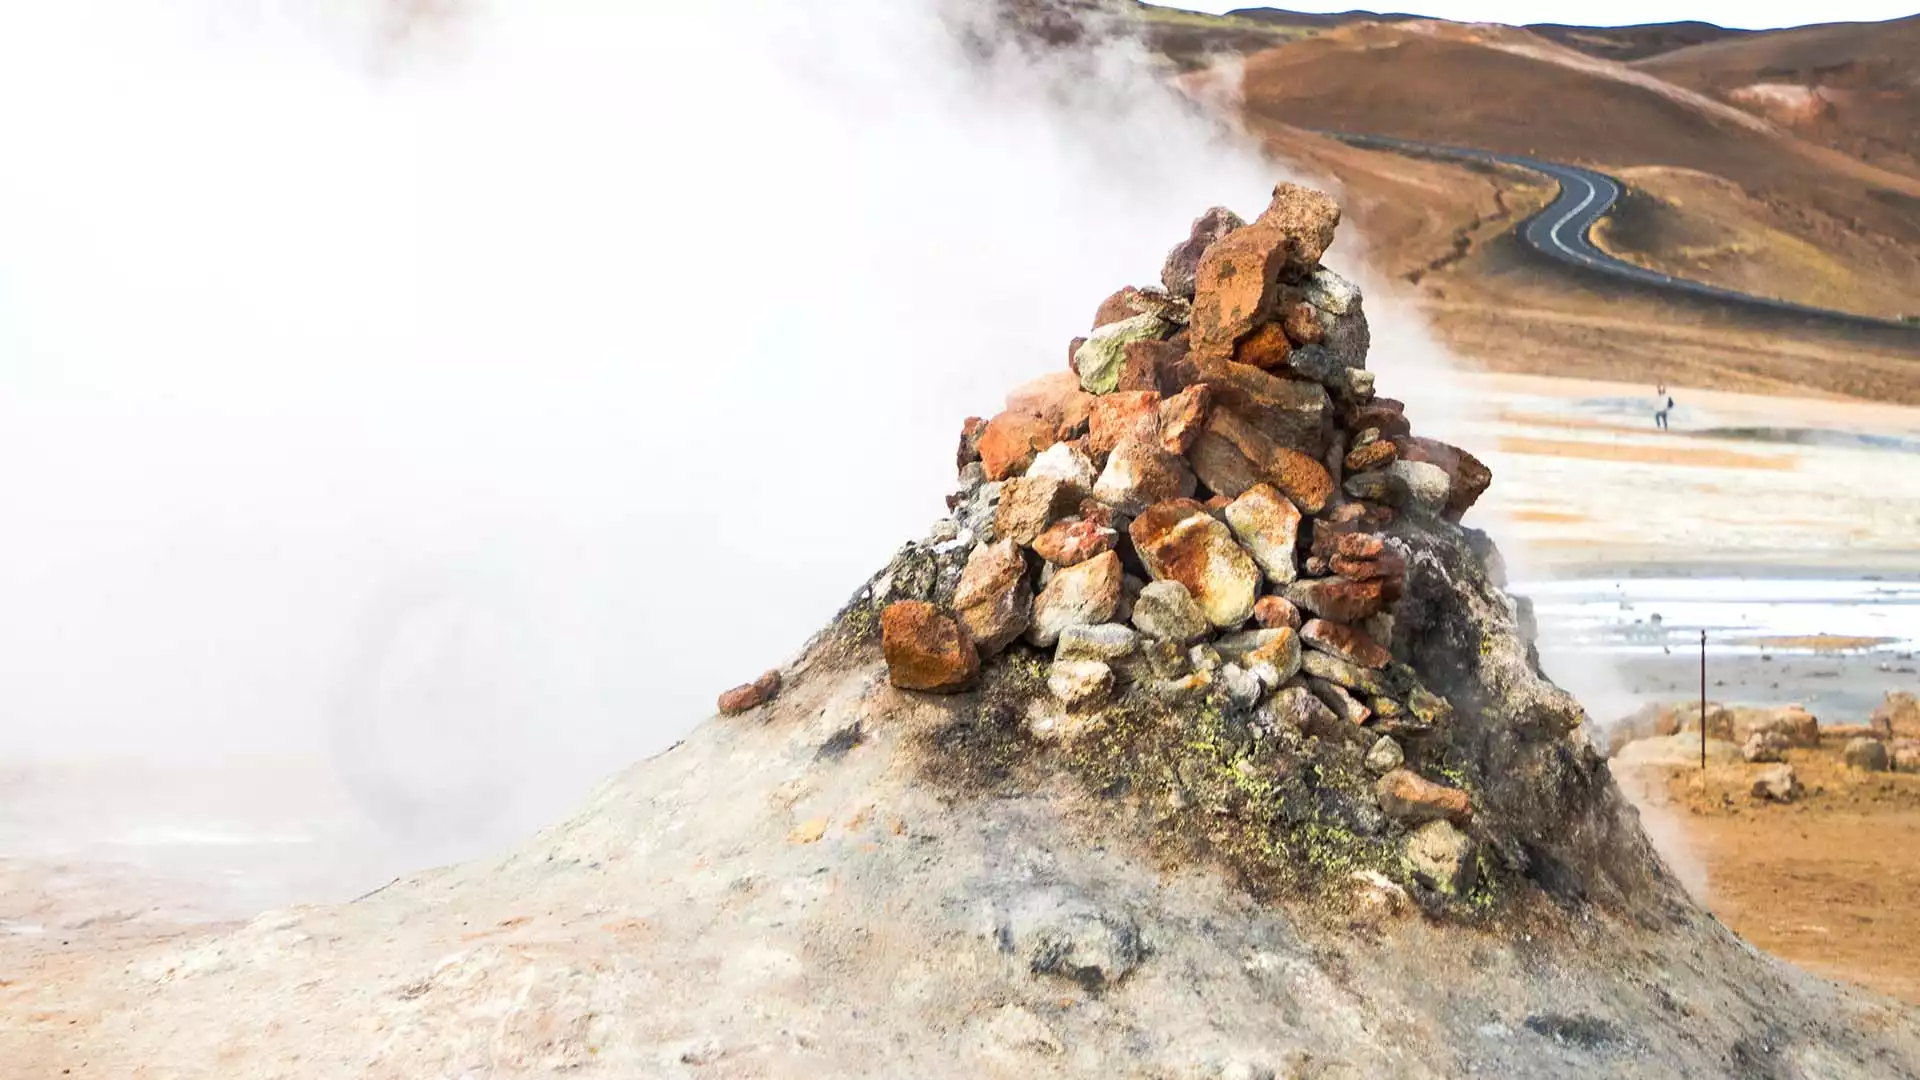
[{"x": 1200, "y": 740}]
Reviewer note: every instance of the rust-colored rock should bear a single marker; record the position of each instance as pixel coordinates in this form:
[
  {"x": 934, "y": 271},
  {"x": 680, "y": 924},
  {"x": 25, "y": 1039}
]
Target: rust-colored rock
[
  {"x": 1385, "y": 565},
  {"x": 1182, "y": 417},
  {"x": 926, "y": 649},
  {"x": 1011, "y": 441},
  {"x": 1468, "y": 476},
  {"x": 1074, "y": 541},
  {"x": 1056, "y": 398},
  {"x": 1340, "y": 599},
  {"x": 1139, "y": 473},
  {"x": 1293, "y": 414},
  {"x": 1129, "y": 302},
  {"x": 1380, "y": 416},
  {"x": 1232, "y": 456},
  {"x": 1302, "y": 325},
  {"x": 1123, "y": 413},
  {"x": 1177, "y": 275},
  {"x": 1374, "y": 455},
  {"x": 1179, "y": 540},
  {"x": 1266, "y": 348},
  {"x": 1275, "y": 613},
  {"x": 995, "y": 599},
  {"x": 1412, "y": 798},
  {"x": 1234, "y": 288},
  {"x": 1343, "y": 641},
  {"x": 752, "y": 695}
]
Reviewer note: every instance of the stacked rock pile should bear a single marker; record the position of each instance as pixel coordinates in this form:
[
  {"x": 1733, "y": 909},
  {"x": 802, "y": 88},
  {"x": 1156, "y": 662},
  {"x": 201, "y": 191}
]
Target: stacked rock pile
[{"x": 1198, "y": 510}]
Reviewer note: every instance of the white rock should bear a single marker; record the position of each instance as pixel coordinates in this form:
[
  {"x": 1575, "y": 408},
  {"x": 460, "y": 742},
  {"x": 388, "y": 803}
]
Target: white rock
[{"x": 1081, "y": 683}]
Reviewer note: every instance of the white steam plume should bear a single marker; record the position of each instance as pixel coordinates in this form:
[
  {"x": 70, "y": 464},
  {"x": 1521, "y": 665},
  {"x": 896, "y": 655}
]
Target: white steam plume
[{"x": 537, "y": 379}]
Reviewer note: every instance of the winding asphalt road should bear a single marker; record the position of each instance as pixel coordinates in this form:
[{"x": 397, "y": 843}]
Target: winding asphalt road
[{"x": 1562, "y": 231}]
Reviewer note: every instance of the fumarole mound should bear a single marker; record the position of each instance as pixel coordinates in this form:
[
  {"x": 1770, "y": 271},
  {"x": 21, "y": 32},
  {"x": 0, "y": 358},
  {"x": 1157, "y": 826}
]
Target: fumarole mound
[
  {"x": 1198, "y": 742},
  {"x": 1214, "y": 574}
]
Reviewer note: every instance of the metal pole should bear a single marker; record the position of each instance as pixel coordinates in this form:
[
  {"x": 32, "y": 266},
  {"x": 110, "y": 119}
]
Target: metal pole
[{"x": 1703, "y": 701}]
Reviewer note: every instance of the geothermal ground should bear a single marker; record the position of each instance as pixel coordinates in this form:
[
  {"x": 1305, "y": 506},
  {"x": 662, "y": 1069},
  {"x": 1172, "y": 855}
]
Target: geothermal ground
[{"x": 1778, "y": 524}]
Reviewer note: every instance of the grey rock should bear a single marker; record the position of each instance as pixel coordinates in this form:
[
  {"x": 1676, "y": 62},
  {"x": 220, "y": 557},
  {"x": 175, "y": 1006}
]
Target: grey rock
[
  {"x": 1167, "y": 611},
  {"x": 1442, "y": 858},
  {"x": 1058, "y": 934},
  {"x": 979, "y": 511},
  {"x": 1385, "y": 756},
  {"x": 1351, "y": 676},
  {"x": 1107, "y": 643},
  {"x": 1242, "y": 687},
  {"x": 1867, "y": 755},
  {"x": 1080, "y": 683},
  {"x": 1340, "y": 701},
  {"x": 1066, "y": 463},
  {"x": 1204, "y": 658},
  {"x": 1332, "y": 293},
  {"x": 1428, "y": 485},
  {"x": 1317, "y": 363},
  {"x": 1295, "y": 708},
  {"x": 1763, "y": 747},
  {"x": 1777, "y": 784},
  {"x": 1177, "y": 274},
  {"x": 1377, "y": 485}
]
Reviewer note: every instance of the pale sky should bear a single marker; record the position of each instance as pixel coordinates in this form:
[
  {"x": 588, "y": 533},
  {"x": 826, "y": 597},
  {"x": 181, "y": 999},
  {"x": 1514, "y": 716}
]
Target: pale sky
[{"x": 1747, "y": 15}]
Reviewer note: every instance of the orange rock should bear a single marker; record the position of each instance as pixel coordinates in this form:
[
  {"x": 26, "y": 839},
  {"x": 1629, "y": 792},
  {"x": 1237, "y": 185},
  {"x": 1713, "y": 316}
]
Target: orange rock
[
  {"x": 1341, "y": 599},
  {"x": 1302, "y": 326},
  {"x": 1292, "y": 413},
  {"x": 1343, "y": 641},
  {"x": 969, "y": 451},
  {"x": 1055, "y": 398},
  {"x": 1410, "y": 797},
  {"x": 1385, "y": 565},
  {"x": 994, "y": 602},
  {"x": 1374, "y": 455},
  {"x": 1179, "y": 540},
  {"x": 1140, "y": 370},
  {"x": 1182, "y": 417},
  {"x": 1121, "y": 413},
  {"x": 1274, "y": 613},
  {"x": 925, "y": 648},
  {"x": 753, "y": 694},
  {"x": 1011, "y": 441},
  {"x": 1074, "y": 541},
  {"x": 1267, "y": 348},
  {"x": 1236, "y": 281}
]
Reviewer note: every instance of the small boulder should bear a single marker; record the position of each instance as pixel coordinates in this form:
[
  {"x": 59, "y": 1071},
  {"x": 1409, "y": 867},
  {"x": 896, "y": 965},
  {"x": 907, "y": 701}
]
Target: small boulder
[
  {"x": 1066, "y": 463},
  {"x": 1326, "y": 666},
  {"x": 1467, "y": 476},
  {"x": 1382, "y": 486},
  {"x": 1762, "y": 747},
  {"x": 1344, "y": 642},
  {"x": 925, "y": 648},
  {"x": 1340, "y": 599},
  {"x": 1272, "y": 655},
  {"x": 1268, "y": 527},
  {"x": 1179, "y": 541},
  {"x": 1140, "y": 473},
  {"x": 1074, "y": 541},
  {"x": 1177, "y": 275},
  {"x": 1129, "y": 302},
  {"x": 1898, "y": 714},
  {"x": 1011, "y": 441},
  {"x": 1108, "y": 643},
  {"x": 1242, "y": 687},
  {"x": 1407, "y": 796},
  {"x": 1302, "y": 325},
  {"x": 1101, "y": 359},
  {"x": 1374, "y": 455},
  {"x": 1906, "y": 755},
  {"x": 1056, "y": 399},
  {"x": 1165, "y": 610},
  {"x": 995, "y": 598},
  {"x": 1029, "y": 504},
  {"x": 1777, "y": 784},
  {"x": 1385, "y": 756},
  {"x": 1867, "y": 755},
  {"x": 1182, "y": 417},
  {"x": 752, "y": 695},
  {"x": 1428, "y": 485},
  {"x": 1274, "y": 612},
  {"x": 1442, "y": 858},
  {"x": 1267, "y": 348},
  {"x": 1120, "y": 414},
  {"x": 1081, "y": 684},
  {"x": 1083, "y": 595},
  {"x": 1295, "y": 708},
  {"x": 1387, "y": 564},
  {"x": 1343, "y": 704}
]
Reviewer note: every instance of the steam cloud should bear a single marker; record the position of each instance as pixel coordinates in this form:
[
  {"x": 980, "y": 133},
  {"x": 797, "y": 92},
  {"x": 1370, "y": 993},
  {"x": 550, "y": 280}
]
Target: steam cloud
[{"x": 465, "y": 401}]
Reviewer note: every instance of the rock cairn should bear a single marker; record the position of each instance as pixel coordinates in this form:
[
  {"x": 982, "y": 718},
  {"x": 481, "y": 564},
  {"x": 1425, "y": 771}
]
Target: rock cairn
[{"x": 1195, "y": 514}]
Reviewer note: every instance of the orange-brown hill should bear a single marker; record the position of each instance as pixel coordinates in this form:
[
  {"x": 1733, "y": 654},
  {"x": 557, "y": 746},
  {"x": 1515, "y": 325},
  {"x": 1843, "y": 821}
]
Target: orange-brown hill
[
  {"x": 1510, "y": 90},
  {"x": 1852, "y": 86}
]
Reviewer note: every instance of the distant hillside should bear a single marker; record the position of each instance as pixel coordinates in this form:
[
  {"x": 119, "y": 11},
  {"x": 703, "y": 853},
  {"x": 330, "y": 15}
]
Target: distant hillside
[
  {"x": 1633, "y": 42},
  {"x": 1852, "y": 86}
]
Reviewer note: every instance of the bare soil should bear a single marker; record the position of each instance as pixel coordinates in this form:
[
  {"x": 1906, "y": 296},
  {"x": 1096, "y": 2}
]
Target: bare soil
[{"x": 1826, "y": 883}]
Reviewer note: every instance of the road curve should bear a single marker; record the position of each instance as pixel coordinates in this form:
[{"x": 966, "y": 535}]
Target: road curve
[{"x": 1562, "y": 230}]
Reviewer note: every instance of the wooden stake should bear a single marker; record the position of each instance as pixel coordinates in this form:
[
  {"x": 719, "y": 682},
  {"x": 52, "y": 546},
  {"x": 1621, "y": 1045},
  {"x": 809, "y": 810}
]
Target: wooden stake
[{"x": 1703, "y": 701}]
